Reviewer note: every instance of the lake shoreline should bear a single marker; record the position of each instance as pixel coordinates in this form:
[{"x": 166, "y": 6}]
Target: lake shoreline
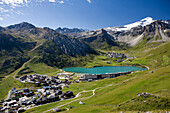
[{"x": 104, "y": 69}]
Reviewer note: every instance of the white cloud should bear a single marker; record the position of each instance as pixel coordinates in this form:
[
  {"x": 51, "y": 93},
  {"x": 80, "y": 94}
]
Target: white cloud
[
  {"x": 61, "y": 2},
  {"x": 2, "y": 10},
  {"x": 18, "y": 3},
  {"x": 89, "y": 1},
  {"x": 51, "y": 0},
  {"x": 14, "y": 3},
  {"x": 1, "y": 19}
]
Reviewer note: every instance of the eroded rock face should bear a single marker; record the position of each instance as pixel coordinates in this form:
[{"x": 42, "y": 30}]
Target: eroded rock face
[
  {"x": 72, "y": 47},
  {"x": 101, "y": 40}
]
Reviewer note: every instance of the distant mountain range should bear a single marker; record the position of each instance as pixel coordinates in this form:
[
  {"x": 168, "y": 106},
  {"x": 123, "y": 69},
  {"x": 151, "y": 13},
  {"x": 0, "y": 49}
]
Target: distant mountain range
[
  {"x": 70, "y": 32},
  {"x": 23, "y": 41},
  {"x": 132, "y": 34}
]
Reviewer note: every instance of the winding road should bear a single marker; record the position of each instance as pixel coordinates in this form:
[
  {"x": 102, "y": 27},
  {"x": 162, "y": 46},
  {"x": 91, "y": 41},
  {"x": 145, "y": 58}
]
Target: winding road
[
  {"x": 89, "y": 96},
  {"x": 80, "y": 98}
]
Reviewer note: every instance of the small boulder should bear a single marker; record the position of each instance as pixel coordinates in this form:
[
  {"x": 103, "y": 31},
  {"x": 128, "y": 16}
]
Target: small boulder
[
  {"x": 81, "y": 103},
  {"x": 139, "y": 94},
  {"x": 56, "y": 109}
]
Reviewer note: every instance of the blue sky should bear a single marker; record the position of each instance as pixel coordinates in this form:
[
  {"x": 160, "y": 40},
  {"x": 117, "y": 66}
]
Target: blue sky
[{"x": 87, "y": 14}]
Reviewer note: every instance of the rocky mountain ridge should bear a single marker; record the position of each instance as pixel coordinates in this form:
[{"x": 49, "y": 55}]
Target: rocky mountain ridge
[
  {"x": 67, "y": 31},
  {"x": 21, "y": 42},
  {"x": 132, "y": 34},
  {"x": 29, "y": 32},
  {"x": 101, "y": 40}
]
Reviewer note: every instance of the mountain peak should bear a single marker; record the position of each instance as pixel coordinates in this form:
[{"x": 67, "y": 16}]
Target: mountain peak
[
  {"x": 21, "y": 26},
  {"x": 147, "y": 19},
  {"x": 104, "y": 31},
  {"x": 143, "y": 22}
]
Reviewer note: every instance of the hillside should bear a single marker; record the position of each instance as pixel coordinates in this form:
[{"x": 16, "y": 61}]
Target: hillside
[
  {"x": 120, "y": 94},
  {"x": 45, "y": 51},
  {"x": 13, "y": 53},
  {"x": 21, "y": 42}
]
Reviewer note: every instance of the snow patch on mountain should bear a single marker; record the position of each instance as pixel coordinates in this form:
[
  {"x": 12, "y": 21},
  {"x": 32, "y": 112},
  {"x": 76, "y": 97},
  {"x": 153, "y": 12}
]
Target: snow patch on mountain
[{"x": 143, "y": 22}]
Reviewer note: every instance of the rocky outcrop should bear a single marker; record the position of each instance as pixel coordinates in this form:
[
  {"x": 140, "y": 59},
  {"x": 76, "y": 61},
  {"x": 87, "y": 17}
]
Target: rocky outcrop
[
  {"x": 101, "y": 40},
  {"x": 72, "y": 47}
]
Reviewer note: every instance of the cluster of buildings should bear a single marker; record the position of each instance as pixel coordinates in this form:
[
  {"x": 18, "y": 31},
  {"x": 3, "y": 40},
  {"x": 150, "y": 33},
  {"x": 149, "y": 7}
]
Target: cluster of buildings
[
  {"x": 23, "y": 99},
  {"x": 116, "y": 55},
  {"x": 49, "y": 90},
  {"x": 42, "y": 80},
  {"x": 91, "y": 77}
]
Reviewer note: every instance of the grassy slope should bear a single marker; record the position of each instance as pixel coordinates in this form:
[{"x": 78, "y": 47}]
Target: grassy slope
[
  {"x": 99, "y": 61},
  {"x": 154, "y": 55},
  {"x": 39, "y": 68},
  {"x": 105, "y": 98},
  {"x": 9, "y": 82}
]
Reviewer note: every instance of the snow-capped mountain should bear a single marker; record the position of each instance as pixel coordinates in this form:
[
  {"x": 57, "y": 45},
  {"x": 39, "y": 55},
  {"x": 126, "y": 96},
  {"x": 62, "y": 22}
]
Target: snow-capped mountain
[
  {"x": 132, "y": 34},
  {"x": 112, "y": 30},
  {"x": 143, "y": 22}
]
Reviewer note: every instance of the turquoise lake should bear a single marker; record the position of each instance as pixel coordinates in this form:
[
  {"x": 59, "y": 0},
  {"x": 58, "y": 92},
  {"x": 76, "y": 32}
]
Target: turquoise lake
[{"x": 103, "y": 70}]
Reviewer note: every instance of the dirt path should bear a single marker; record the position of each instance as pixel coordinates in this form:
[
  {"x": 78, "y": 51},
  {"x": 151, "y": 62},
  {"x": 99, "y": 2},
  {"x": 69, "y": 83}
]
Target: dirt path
[
  {"x": 22, "y": 67},
  {"x": 38, "y": 45},
  {"x": 89, "y": 96},
  {"x": 9, "y": 94},
  {"x": 78, "y": 94},
  {"x": 93, "y": 91}
]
